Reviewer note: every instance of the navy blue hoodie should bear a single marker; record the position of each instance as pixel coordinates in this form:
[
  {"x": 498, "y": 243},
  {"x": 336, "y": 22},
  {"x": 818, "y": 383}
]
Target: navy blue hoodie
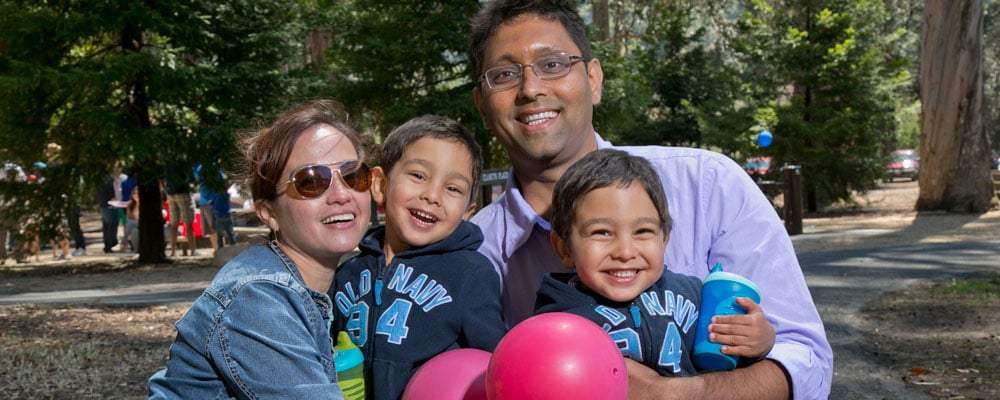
[
  {"x": 656, "y": 329},
  {"x": 427, "y": 300}
]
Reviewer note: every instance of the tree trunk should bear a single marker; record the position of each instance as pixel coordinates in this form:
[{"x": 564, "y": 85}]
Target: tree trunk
[
  {"x": 151, "y": 244},
  {"x": 602, "y": 22},
  {"x": 150, "y": 204},
  {"x": 954, "y": 162}
]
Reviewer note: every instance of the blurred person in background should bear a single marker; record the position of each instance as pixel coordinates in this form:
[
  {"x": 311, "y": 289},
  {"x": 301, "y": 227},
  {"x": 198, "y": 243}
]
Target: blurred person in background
[{"x": 109, "y": 193}]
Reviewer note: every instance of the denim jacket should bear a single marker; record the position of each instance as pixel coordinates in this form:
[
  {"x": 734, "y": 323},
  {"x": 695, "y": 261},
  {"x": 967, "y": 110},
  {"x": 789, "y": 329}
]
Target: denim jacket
[{"x": 256, "y": 332}]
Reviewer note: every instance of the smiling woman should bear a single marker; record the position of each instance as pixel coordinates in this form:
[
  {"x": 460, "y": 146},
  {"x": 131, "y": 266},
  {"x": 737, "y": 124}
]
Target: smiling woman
[{"x": 310, "y": 188}]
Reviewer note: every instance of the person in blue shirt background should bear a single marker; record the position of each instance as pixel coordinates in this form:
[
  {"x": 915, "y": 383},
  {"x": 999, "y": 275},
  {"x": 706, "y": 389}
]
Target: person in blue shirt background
[
  {"x": 205, "y": 196},
  {"x": 222, "y": 211}
]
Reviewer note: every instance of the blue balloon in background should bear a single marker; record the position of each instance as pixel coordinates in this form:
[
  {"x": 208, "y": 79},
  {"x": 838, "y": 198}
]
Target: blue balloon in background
[
  {"x": 40, "y": 165},
  {"x": 764, "y": 138}
]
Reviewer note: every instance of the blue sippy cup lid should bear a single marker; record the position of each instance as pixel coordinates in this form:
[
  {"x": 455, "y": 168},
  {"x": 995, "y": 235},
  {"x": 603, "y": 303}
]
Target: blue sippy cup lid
[
  {"x": 347, "y": 355},
  {"x": 718, "y": 274}
]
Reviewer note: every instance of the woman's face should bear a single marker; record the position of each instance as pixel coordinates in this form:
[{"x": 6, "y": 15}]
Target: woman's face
[{"x": 324, "y": 228}]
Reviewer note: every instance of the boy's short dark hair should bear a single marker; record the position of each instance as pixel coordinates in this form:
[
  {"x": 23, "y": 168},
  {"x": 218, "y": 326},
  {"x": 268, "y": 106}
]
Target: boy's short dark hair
[
  {"x": 599, "y": 169},
  {"x": 498, "y": 12},
  {"x": 433, "y": 126}
]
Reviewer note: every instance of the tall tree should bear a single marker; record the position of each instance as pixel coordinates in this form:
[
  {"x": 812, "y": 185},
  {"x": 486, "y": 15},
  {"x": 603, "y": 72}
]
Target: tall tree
[
  {"x": 991, "y": 71},
  {"x": 954, "y": 159},
  {"x": 832, "y": 88},
  {"x": 666, "y": 78},
  {"x": 393, "y": 60},
  {"x": 678, "y": 68},
  {"x": 121, "y": 84}
]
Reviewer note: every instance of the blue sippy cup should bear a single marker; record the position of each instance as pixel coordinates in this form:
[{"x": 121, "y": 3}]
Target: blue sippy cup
[
  {"x": 718, "y": 297},
  {"x": 350, "y": 368}
]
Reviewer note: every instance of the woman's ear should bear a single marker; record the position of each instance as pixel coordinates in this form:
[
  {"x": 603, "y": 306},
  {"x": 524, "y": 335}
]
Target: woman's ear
[
  {"x": 267, "y": 215},
  {"x": 380, "y": 186},
  {"x": 562, "y": 250}
]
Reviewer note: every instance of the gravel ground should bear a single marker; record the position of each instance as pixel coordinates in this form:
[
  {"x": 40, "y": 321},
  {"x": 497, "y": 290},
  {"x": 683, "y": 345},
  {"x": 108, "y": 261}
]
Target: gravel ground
[{"x": 103, "y": 351}]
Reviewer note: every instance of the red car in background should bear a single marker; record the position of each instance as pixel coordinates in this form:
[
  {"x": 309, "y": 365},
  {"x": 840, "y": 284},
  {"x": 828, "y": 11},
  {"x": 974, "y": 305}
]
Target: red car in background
[
  {"x": 903, "y": 164},
  {"x": 758, "y": 167}
]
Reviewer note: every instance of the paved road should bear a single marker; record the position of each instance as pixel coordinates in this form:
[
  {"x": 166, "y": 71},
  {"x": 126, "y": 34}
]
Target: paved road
[
  {"x": 137, "y": 295},
  {"x": 841, "y": 283}
]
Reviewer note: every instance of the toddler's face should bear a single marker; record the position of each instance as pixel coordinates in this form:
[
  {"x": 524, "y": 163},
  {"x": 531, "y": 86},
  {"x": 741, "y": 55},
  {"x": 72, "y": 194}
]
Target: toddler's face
[
  {"x": 426, "y": 194},
  {"x": 615, "y": 242}
]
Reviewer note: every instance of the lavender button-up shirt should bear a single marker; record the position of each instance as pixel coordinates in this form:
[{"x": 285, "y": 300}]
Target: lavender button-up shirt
[{"x": 719, "y": 215}]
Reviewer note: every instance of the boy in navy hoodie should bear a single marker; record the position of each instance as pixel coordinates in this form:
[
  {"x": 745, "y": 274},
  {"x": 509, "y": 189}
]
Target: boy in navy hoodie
[
  {"x": 610, "y": 222},
  {"x": 419, "y": 287}
]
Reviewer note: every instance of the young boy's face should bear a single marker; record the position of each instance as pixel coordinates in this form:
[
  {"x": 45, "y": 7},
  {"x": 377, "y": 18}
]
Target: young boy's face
[
  {"x": 426, "y": 194},
  {"x": 615, "y": 242}
]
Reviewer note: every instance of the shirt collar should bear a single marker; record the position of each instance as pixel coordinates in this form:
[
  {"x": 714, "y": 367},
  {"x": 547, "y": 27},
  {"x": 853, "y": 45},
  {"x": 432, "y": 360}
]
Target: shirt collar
[
  {"x": 522, "y": 220},
  {"x": 601, "y": 143}
]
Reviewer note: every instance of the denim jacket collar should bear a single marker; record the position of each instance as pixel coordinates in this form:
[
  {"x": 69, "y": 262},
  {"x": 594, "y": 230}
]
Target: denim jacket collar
[{"x": 320, "y": 298}]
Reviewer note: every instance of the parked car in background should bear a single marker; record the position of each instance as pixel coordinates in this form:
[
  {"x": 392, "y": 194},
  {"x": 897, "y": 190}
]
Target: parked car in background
[
  {"x": 758, "y": 167},
  {"x": 995, "y": 159},
  {"x": 903, "y": 164}
]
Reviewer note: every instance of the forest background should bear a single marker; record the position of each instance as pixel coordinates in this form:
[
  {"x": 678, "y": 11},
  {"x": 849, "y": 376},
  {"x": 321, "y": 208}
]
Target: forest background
[{"x": 131, "y": 85}]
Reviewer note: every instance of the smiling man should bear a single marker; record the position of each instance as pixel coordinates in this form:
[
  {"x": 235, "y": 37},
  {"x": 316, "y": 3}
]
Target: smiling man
[{"x": 536, "y": 86}]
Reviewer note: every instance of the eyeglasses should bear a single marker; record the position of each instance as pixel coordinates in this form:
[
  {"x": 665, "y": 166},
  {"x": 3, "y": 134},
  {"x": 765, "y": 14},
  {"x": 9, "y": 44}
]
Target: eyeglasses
[
  {"x": 312, "y": 180},
  {"x": 547, "y": 67}
]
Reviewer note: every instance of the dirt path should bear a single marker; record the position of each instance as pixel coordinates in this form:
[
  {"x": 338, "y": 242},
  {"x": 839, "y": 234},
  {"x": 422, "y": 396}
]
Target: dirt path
[
  {"x": 896, "y": 330},
  {"x": 835, "y": 246}
]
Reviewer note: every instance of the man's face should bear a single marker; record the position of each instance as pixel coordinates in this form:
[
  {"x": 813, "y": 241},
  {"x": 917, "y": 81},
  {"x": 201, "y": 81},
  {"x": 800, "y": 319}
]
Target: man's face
[{"x": 540, "y": 121}]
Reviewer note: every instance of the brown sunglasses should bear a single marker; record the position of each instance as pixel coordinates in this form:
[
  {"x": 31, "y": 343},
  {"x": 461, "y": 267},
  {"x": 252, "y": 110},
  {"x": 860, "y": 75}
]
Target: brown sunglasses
[{"x": 312, "y": 180}]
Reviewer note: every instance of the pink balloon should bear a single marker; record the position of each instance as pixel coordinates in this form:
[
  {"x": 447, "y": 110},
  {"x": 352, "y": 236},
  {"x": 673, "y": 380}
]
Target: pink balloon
[
  {"x": 458, "y": 374},
  {"x": 556, "y": 356}
]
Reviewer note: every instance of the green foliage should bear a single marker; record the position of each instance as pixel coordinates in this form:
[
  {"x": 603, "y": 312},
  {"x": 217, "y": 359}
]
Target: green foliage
[
  {"x": 121, "y": 84},
  {"x": 907, "y": 126},
  {"x": 663, "y": 85},
  {"x": 971, "y": 289},
  {"x": 393, "y": 60},
  {"x": 626, "y": 97},
  {"x": 825, "y": 63}
]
